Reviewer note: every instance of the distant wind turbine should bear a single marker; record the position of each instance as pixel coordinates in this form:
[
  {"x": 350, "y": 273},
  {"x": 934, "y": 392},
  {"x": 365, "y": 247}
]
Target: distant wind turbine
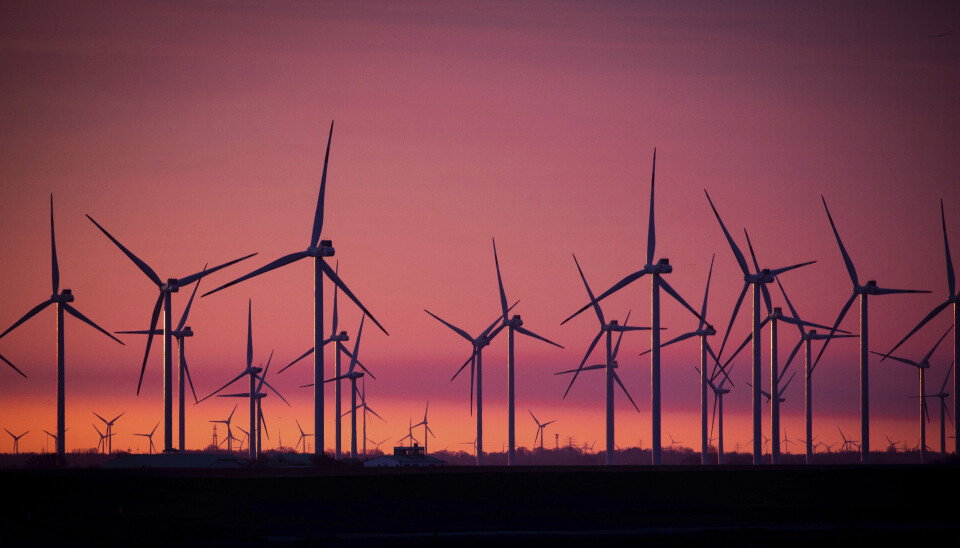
[
  {"x": 426, "y": 429},
  {"x": 109, "y": 427},
  {"x": 150, "y": 437},
  {"x": 62, "y": 299},
  {"x": 353, "y": 375},
  {"x": 540, "y": 430},
  {"x": 863, "y": 291},
  {"x": 318, "y": 250},
  {"x": 229, "y": 430},
  {"x": 16, "y": 440}
]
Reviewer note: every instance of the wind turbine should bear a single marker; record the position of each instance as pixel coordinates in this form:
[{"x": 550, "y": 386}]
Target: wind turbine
[
  {"x": 806, "y": 338},
  {"x": 302, "y": 440},
  {"x": 353, "y": 376},
  {"x": 54, "y": 436},
  {"x": 376, "y": 444},
  {"x": 150, "y": 437},
  {"x": 758, "y": 280},
  {"x": 102, "y": 444},
  {"x": 426, "y": 429},
  {"x": 943, "y": 395},
  {"x": 656, "y": 271},
  {"x": 863, "y": 291},
  {"x": 180, "y": 333},
  {"x": 110, "y": 429},
  {"x": 258, "y": 396},
  {"x": 847, "y": 443},
  {"x": 318, "y": 250},
  {"x": 540, "y": 428},
  {"x": 514, "y": 324},
  {"x": 16, "y": 440},
  {"x": 609, "y": 365},
  {"x": 953, "y": 297},
  {"x": 164, "y": 300},
  {"x": 409, "y": 436},
  {"x": 718, "y": 393},
  {"x": 367, "y": 409},
  {"x": 476, "y": 368},
  {"x": 229, "y": 430},
  {"x": 923, "y": 364},
  {"x": 62, "y": 299}
]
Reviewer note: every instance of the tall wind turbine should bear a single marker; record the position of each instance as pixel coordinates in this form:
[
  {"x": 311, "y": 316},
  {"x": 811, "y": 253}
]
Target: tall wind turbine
[
  {"x": 540, "y": 430},
  {"x": 16, "y": 440},
  {"x": 109, "y": 427},
  {"x": 229, "y": 430},
  {"x": 657, "y": 282},
  {"x": 164, "y": 300},
  {"x": 302, "y": 440},
  {"x": 367, "y": 409},
  {"x": 180, "y": 333},
  {"x": 718, "y": 392},
  {"x": 353, "y": 375},
  {"x": 150, "y": 437},
  {"x": 942, "y": 396},
  {"x": 921, "y": 365},
  {"x": 318, "y": 250},
  {"x": 257, "y": 396},
  {"x": 863, "y": 291},
  {"x": 806, "y": 338},
  {"x": 475, "y": 361},
  {"x": 609, "y": 365},
  {"x": 426, "y": 429},
  {"x": 62, "y": 299},
  {"x": 514, "y": 324},
  {"x": 758, "y": 280},
  {"x": 953, "y": 297},
  {"x": 102, "y": 444}
]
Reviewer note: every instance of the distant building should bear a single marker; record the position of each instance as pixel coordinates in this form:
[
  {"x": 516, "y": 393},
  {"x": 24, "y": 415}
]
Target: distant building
[{"x": 405, "y": 456}]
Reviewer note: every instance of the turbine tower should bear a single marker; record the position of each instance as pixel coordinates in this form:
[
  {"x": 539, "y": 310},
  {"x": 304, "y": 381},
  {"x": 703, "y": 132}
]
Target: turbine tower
[
  {"x": 62, "y": 299},
  {"x": 921, "y": 365},
  {"x": 657, "y": 282},
  {"x": 180, "y": 333},
  {"x": 863, "y": 291},
  {"x": 514, "y": 324},
  {"x": 164, "y": 300},
  {"x": 609, "y": 365},
  {"x": 758, "y": 280},
  {"x": 953, "y": 297},
  {"x": 318, "y": 250}
]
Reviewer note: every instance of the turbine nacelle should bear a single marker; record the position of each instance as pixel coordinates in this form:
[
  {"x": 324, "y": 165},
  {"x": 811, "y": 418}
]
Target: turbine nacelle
[
  {"x": 65, "y": 296},
  {"x": 325, "y": 249},
  {"x": 762, "y": 277},
  {"x": 172, "y": 286},
  {"x": 185, "y": 332},
  {"x": 662, "y": 267}
]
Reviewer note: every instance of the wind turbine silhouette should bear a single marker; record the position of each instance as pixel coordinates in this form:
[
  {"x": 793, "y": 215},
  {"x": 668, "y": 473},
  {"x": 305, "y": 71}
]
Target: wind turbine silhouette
[
  {"x": 54, "y": 436},
  {"x": 426, "y": 428},
  {"x": 806, "y": 338},
  {"x": 164, "y": 300},
  {"x": 302, "y": 440},
  {"x": 180, "y": 333},
  {"x": 16, "y": 440},
  {"x": 847, "y": 443},
  {"x": 258, "y": 396},
  {"x": 150, "y": 437},
  {"x": 62, "y": 299},
  {"x": 353, "y": 376},
  {"x": 318, "y": 250},
  {"x": 514, "y": 324},
  {"x": 367, "y": 409},
  {"x": 953, "y": 297},
  {"x": 921, "y": 365},
  {"x": 718, "y": 393},
  {"x": 109, "y": 433},
  {"x": 609, "y": 365},
  {"x": 229, "y": 430},
  {"x": 540, "y": 430},
  {"x": 475, "y": 361},
  {"x": 943, "y": 395},
  {"x": 657, "y": 282},
  {"x": 102, "y": 444},
  {"x": 758, "y": 280},
  {"x": 863, "y": 291},
  {"x": 409, "y": 435}
]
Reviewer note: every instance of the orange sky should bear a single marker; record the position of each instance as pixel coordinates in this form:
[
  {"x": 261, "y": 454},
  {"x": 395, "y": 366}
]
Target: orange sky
[{"x": 195, "y": 133}]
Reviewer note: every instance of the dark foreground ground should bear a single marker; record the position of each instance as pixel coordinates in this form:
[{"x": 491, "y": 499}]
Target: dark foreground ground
[{"x": 620, "y": 506}]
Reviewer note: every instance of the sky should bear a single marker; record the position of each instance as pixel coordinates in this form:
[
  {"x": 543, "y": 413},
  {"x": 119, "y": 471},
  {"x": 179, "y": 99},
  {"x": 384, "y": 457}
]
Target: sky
[{"x": 194, "y": 132}]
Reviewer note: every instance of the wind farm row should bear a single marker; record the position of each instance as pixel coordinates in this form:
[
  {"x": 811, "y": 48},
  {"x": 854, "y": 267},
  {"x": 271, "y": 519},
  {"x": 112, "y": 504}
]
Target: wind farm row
[{"x": 715, "y": 367}]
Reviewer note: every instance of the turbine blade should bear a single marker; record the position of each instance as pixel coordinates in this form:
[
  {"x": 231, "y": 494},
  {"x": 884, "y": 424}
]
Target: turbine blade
[
  {"x": 933, "y": 313},
  {"x": 894, "y": 358},
  {"x": 624, "y": 388},
  {"x": 886, "y": 291},
  {"x": 779, "y": 271},
  {"x": 596, "y": 306},
  {"x": 356, "y": 347},
  {"x": 318, "y": 217},
  {"x": 304, "y": 355},
  {"x": 249, "y": 333},
  {"x": 793, "y": 354},
  {"x": 843, "y": 251},
  {"x": 951, "y": 281},
  {"x": 503, "y": 296},
  {"x": 33, "y": 312},
  {"x": 793, "y": 311},
  {"x": 468, "y": 362},
  {"x": 185, "y": 281},
  {"x": 144, "y": 267},
  {"x": 336, "y": 280},
  {"x": 843, "y": 312},
  {"x": 752, "y": 254},
  {"x": 617, "y": 287},
  {"x": 186, "y": 311},
  {"x": 235, "y": 379},
  {"x": 53, "y": 251},
  {"x": 498, "y": 323},
  {"x": 535, "y": 336},
  {"x": 274, "y": 390},
  {"x": 706, "y": 292},
  {"x": 336, "y": 292},
  {"x": 153, "y": 327},
  {"x": 76, "y": 314},
  {"x": 942, "y": 388},
  {"x": 282, "y": 261},
  {"x": 673, "y": 293},
  {"x": 713, "y": 418},
  {"x": 733, "y": 246},
  {"x": 934, "y": 349},
  {"x": 733, "y": 317},
  {"x": 583, "y": 361},
  {"x": 456, "y": 329},
  {"x": 651, "y": 230},
  {"x": 15, "y": 367}
]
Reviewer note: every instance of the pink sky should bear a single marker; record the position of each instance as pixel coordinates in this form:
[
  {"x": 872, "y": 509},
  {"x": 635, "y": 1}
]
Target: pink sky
[{"x": 195, "y": 133}]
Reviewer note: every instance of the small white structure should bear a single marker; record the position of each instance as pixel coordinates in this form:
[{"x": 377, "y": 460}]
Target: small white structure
[{"x": 405, "y": 456}]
